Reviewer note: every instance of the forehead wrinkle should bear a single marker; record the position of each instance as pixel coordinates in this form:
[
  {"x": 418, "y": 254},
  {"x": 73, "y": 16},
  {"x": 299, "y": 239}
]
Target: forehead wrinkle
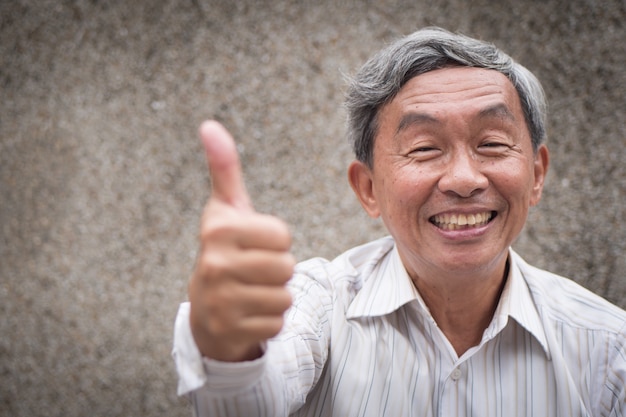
[
  {"x": 421, "y": 100},
  {"x": 498, "y": 110}
]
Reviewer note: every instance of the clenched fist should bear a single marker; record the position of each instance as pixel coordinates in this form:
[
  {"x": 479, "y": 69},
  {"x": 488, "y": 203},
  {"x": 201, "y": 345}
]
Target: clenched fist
[{"x": 237, "y": 290}]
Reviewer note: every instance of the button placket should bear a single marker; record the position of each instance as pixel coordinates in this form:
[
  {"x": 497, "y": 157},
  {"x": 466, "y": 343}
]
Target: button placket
[{"x": 456, "y": 374}]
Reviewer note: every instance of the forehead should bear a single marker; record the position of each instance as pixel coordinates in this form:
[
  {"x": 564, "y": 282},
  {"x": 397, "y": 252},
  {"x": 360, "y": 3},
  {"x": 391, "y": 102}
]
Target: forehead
[{"x": 460, "y": 90}]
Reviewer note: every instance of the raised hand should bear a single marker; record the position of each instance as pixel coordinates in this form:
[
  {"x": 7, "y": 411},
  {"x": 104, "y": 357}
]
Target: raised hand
[{"x": 237, "y": 291}]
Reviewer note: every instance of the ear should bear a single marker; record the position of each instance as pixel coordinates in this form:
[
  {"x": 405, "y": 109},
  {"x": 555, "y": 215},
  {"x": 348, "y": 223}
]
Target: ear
[
  {"x": 361, "y": 181},
  {"x": 541, "y": 163}
]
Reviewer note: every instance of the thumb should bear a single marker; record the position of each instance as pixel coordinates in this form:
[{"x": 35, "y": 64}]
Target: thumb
[{"x": 224, "y": 165}]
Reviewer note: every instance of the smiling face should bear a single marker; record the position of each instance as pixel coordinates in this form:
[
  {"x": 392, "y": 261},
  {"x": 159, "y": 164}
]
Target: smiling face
[{"x": 454, "y": 172}]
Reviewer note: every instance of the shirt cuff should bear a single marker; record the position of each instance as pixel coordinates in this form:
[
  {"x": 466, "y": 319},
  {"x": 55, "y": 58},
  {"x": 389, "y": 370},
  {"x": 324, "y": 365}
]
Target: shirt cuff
[
  {"x": 195, "y": 371},
  {"x": 191, "y": 374}
]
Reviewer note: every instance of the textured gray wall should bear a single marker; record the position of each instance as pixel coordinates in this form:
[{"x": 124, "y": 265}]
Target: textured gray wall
[{"x": 102, "y": 179}]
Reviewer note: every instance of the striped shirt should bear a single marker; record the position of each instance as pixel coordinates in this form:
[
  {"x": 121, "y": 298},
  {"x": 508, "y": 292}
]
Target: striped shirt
[{"x": 359, "y": 341}]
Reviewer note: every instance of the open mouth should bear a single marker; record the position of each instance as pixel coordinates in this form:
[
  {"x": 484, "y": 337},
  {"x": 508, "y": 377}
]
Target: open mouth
[{"x": 462, "y": 221}]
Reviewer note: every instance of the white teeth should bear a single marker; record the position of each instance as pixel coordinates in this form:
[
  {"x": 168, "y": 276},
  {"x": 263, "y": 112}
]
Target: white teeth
[{"x": 458, "y": 221}]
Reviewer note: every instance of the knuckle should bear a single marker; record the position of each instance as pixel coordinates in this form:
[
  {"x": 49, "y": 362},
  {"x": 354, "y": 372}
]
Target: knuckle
[
  {"x": 219, "y": 223},
  {"x": 216, "y": 230},
  {"x": 210, "y": 266},
  {"x": 289, "y": 261},
  {"x": 219, "y": 328},
  {"x": 213, "y": 267},
  {"x": 221, "y": 315},
  {"x": 282, "y": 300},
  {"x": 283, "y": 234},
  {"x": 221, "y": 300},
  {"x": 279, "y": 230},
  {"x": 287, "y": 299},
  {"x": 282, "y": 266},
  {"x": 289, "y": 265},
  {"x": 275, "y": 326}
]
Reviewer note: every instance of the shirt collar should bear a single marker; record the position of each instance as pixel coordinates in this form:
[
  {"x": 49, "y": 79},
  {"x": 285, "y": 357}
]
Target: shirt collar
[
  {"x": 517, "y": 302},
  {"x": 388, "y": 287}
]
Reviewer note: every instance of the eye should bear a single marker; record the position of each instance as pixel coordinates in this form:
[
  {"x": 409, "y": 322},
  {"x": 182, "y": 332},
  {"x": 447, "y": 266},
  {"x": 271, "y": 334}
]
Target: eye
[
  {"x": 494, "y": 144},
  {"x": 423, "y": 149},
  {"x": 423, "y": 153},
  {"x": 494, "y": 147}
]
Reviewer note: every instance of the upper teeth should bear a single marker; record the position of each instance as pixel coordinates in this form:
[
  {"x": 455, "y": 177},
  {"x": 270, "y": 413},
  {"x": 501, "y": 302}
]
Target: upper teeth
[{"x": 453, "y": 221}]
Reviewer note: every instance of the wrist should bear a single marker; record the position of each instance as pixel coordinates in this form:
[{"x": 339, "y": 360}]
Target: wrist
[{"x": 212, "y": 347}]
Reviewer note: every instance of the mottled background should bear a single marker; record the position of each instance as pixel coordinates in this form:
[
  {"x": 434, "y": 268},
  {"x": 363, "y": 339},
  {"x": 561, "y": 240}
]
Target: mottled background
[{"x": 102, "y": 179}]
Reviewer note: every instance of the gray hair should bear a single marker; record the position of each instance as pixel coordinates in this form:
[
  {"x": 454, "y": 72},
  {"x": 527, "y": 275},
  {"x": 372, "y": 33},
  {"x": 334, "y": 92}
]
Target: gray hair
[{"x": 382, "y": 77}]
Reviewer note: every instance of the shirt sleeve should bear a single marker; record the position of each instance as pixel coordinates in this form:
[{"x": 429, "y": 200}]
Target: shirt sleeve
[
  {"x": 186, "y": 355},
  {"x": 614, "y": 398},
  {"x": 194, "y": 369},
  {"x": 275, "y": 384}
]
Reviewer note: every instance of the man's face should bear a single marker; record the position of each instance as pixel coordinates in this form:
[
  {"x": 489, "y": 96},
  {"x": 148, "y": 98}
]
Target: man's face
[{"x": 454, "y": 172}]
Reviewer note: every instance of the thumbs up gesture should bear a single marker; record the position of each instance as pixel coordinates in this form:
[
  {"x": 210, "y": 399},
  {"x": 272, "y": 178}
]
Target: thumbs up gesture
[{"x": 237, "y": 290}]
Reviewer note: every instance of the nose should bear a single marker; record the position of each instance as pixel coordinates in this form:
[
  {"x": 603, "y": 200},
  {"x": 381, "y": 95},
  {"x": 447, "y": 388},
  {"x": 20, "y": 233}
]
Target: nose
[{"x": 463, "y": 176}]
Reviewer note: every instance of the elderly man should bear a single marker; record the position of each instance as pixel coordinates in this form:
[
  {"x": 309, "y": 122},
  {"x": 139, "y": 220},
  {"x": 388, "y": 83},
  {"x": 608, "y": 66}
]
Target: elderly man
[{"x": 442, "y": 318}]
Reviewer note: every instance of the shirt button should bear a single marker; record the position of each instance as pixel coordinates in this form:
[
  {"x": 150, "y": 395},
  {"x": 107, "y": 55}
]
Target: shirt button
[{"x": 456, "y": 374}]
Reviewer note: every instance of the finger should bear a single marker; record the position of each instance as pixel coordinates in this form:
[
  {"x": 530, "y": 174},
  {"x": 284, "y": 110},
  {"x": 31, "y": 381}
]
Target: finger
[
  {"x": 224, "y": 165},
  {"x": 222, "y": 226},
  {"x": 255, "y": 267},
  {"x": 267, "y": 232},
  {"x": 262, "y": 301},
  {"x": 261, "y": 327}
]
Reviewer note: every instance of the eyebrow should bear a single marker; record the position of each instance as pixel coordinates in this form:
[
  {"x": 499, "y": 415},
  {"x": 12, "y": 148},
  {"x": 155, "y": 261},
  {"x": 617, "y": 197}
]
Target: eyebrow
[
  {"x": 500, "y": 111},
  {"x": 411, "y": 119}
]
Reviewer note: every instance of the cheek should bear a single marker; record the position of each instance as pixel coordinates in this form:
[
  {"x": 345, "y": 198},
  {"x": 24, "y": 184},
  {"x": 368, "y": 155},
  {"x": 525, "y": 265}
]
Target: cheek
[
  {"x": 515, "y": 174},
  {"x": 407, "y": 191},
  {"x": 402, "y": 187},
  {"x": 517, "y": 187}
]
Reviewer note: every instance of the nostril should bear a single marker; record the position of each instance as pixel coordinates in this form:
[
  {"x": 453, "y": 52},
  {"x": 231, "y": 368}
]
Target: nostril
[{"x": 463, "y": 182}]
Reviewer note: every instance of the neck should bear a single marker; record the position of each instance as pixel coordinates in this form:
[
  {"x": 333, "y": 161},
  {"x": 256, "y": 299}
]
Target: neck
[{"x": 464, "y": 306}]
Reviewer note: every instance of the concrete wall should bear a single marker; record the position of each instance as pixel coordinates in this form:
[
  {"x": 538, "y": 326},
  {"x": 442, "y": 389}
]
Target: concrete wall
[{"x": 102, "y": 179}]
